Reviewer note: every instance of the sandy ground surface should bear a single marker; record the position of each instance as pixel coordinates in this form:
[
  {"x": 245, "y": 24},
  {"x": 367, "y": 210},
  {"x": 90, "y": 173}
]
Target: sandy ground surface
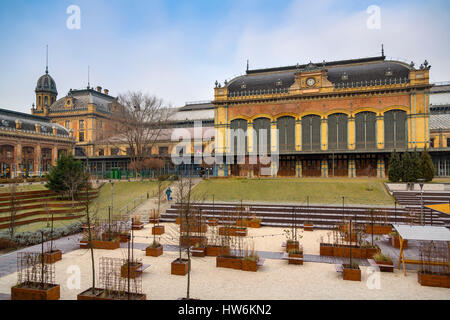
[{"x": 275, "y": 280}]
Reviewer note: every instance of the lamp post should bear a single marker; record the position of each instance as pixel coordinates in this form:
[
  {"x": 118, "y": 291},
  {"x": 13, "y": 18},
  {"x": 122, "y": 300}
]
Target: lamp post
[
  {"x": 421, "y": 182},
  {"x": 112, "y": 196}
]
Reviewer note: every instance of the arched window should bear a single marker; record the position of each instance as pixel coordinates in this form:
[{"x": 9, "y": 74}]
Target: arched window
[
  {"x": 40, "y": 100},
  {"x": 261, "y": 141},
  {"x": 286, "y": 133},
  {"x": 366, "y": 123},
  {"x": 238, "y": 137},
  {"x": 46, "y": 100},
  {"x": 311, "y": 132},
  {"x": 337, "y": 131},
  {"x": 395, "y": 129}
]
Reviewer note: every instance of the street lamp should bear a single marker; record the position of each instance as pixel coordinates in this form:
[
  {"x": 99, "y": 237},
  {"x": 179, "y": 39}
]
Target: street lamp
[
  {"x": 112, "y": 196},
  {"x": 421, "y": 182}
]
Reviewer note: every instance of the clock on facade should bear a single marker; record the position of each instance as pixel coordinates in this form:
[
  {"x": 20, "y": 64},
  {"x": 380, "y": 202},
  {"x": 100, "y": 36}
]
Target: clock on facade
[{"x": 310, "y": 82}]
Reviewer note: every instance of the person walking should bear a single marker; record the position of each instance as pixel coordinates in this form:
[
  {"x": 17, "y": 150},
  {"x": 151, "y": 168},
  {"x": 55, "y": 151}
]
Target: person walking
[{"x": 168, "y": 192}]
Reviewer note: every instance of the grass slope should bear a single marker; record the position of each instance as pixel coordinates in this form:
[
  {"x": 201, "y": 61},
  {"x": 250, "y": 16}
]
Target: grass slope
[{"x": 320, "y": 191}]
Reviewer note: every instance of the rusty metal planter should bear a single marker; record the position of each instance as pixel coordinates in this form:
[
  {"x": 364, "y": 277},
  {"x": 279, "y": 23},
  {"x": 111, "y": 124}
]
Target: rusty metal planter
[
  {"x": 214, "y": 251},
  {"x": 101, "y": 295},
  {"x": 180, "y": 267},
  {"x": 23, "y": 292},
  {"x": 352, "y": 274},
  {"x": 229, "y": 262},
  {"x": 158, "y": 230},
  {"x": 434, "y": 279},
  {"x": 154, "y": 251},
  {"x": 249, "y": 265},
  {"x": 52, "y": 257}
]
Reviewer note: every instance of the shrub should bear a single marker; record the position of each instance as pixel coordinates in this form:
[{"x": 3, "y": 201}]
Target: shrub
[{"x": 381, "y": 257}]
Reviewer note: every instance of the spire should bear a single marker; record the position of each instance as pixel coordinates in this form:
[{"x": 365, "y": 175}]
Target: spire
[
  {"x": 382, "y": 50},
  {"x": 89, "y": 85},
  {"x": 46, "y": 62},
  {"x": 247, "y": 64}
]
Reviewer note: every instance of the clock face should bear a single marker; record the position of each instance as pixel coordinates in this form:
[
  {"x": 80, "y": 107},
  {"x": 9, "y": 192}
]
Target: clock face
[{"x": 310, "y": 82}]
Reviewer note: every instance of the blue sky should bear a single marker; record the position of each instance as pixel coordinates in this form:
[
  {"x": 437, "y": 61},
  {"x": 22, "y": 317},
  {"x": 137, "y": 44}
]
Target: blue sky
[{"x": 177, "y": 49}]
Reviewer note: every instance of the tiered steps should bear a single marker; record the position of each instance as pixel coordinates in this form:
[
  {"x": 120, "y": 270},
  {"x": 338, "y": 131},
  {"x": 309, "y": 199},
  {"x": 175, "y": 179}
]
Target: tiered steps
[{"x": 323, "y": 217}]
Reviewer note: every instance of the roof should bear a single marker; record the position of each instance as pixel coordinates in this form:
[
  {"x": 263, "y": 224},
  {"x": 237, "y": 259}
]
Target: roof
[
  {"x": 8, "y": 120},
  {"x": 340, "y": 73},
  {"x": 46, "y": 84},
  {"x": 439, "y": 121},
  {"x": 422, "y": 233},
  {"x": 81, "y": 99}
]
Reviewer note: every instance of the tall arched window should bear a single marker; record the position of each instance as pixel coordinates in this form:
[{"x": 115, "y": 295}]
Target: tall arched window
[
  {"x": 337, "y": 131},
  {"x": 261, "y": 141},
  {"x": 286, "y": 133},
  {"x": 311, "y": 132},
  {"x": 45, "y": 101},
  {"x": 238, "y": 137},
  {"x": 366, "y": 123},
  {"x": 395, "y": 129}
]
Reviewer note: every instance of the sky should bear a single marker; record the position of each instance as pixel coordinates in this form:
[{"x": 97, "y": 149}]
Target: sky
[{"x": 177, "y": 49}]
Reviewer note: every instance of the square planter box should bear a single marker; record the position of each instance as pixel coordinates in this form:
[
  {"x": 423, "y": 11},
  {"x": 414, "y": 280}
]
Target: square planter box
[
  {"x": 297, "y": 258},
  {"x": 378, "y": 229},
  {"x": 385, "y": 266},
  {"x": 52, "y": 257},
  {"x": 248, "y": 265},
  {"x": 106, "y": 236},
  {"x": 158, "y": 230},
  {"x": 154, "y": 252},
  {"x": 233, "y": 231},
  {"x": 193, "y": 240},
  {"x": 242, "y": 223},
  {"x": 102, "y": 295},
  {"x": 254, "y": 224},
  {"x": 292, "y": 245},
  {"x": 308, "y": 227},
  {"x": 326, "y": 249},
  {"x": 153, "y": 220},
  {"x": 229, "y": 262},
  {"x": 434, "y": 280},
  {"x": 138, "y": 226},
  {"x": 124, "y": 237},
  {"x": 395, "y": 242},
  {"x": 99, "y": 244},
  {"x": 194, "y": 228},
  {"x": 180, "y": 267},
  {"x": 214, "y": 251},
  {"x": 24, "y": 292},
  {"x": 352, "y": 274},
  {"x": 213, "y": 222},
  {"x": 198, "y": 252},
  {"x": 135, "y": 270}
]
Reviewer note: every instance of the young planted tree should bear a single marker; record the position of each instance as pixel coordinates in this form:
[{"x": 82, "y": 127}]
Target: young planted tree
[
  {"x": 395, "y": 171},
  {"x": 426, "y": 166},
  {"x": 67, "y": 177}
]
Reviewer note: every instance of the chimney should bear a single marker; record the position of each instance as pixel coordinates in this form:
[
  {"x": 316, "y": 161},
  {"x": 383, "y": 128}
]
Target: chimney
[
  {"x": 99, "y": 89},
  {"x": 106, "y": 91}
]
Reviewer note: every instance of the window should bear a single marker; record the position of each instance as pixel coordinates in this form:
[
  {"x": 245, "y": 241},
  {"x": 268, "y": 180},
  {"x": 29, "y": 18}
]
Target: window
[
  {"x": 286, "y": 133},
  {"x": 448, "y": 142},
  {"x": 432, "y": 143},
  {"x": 101, "y": 152},
  {"x": 67, "y": 124},
  {"x": 365, "y": 129},
  {"x": 46, "y": 100},
  {"x": 81, "y": 136},
  {"x": 337, "y": 131},
  {"x": 311, "y": 130},
  {"x": 81, "y": 124},
  {"x": 114, "y": 151},
  {"x": 395, "y": 129},
  {"x": 163, "y": 150}
]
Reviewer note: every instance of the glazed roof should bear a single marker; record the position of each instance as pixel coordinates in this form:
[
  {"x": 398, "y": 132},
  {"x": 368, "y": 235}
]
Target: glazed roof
[
  {"x": 8, "y": 122},
  {"x": 340, "y": 73},
  {"x": 439, "y": 121}
]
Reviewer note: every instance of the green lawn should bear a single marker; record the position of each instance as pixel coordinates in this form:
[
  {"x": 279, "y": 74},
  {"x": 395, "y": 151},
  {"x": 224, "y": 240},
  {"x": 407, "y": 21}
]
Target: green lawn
[
  {"x": 26, "y": 187},
  {"x": 320, "y": 191},
  {"x": 125, "y": 194}
]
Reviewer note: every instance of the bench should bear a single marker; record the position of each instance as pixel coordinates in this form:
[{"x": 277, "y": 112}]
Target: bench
[
  {"x": 381, "y": 267},
  {"x": 260, "y": 262},
  {"x": 339, "y": 267}
]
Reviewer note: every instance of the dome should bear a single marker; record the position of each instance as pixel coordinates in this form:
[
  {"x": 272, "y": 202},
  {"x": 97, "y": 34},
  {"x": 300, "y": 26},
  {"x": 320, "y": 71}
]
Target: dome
[{"x": 46, "y": 84}]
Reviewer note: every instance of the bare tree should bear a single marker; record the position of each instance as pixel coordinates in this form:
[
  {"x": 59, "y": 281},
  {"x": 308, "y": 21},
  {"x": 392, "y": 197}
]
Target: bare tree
[
  {"x": 140, "y": 119},
  {"x": 13, "y": 208}
]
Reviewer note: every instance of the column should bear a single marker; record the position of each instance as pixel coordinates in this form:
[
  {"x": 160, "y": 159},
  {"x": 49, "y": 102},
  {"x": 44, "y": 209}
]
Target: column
[
  {"x": 324, "y": 168},
  {"x": 351, "y": 168},
  {"x": 351, "y": 134},
  {"x": 380, "y": 131},
  {"x": 250, "y": 137},
  {"x": 18, "y": 160},
  {"x": 298, "y": 168},
  {"x": 37, "y": 161},
  {"x": 380, "y": 167},
  {"x": 55, "y": 155},
  {"x": 324, "y": 134},
  {"x": 274, "y": 137},
  {"x": 298, "y": 135}
]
